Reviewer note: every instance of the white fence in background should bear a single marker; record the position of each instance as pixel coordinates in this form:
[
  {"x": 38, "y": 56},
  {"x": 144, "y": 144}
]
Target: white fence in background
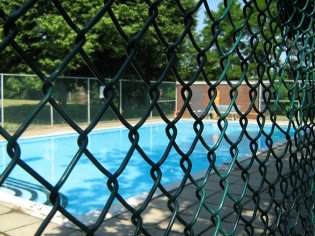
[{"x": 91, "y": 91}]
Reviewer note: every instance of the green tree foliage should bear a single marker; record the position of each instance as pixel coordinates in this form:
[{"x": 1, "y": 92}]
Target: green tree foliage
[
  {"x": 240, "y": 44},
  {"x": 47, "y": 38}
]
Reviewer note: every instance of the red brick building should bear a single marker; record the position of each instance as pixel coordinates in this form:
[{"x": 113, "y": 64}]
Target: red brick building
[{"x": 200, "y": 98}]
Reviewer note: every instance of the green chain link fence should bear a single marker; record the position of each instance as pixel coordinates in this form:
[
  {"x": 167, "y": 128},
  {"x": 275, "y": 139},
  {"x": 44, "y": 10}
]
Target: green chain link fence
[{"x": 269, "y": 45}]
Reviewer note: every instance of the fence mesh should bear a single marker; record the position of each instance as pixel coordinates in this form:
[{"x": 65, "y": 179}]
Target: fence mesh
[
  {"x": 269, "y": 41},
  {"x": 80, "y": 97}
]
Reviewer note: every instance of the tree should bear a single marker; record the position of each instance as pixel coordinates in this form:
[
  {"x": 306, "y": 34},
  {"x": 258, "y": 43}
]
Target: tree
[
  {"x": 239, "y": 45},
  {"x": 47, "y": 38}
]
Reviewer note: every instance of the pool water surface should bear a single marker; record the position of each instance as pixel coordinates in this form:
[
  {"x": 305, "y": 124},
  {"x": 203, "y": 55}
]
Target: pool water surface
[{"x": 86, "y": 188}]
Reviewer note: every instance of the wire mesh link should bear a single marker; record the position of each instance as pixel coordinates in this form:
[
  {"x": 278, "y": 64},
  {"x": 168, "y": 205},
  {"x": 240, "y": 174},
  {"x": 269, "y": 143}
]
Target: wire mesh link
[{"x": 277, "y": 187}]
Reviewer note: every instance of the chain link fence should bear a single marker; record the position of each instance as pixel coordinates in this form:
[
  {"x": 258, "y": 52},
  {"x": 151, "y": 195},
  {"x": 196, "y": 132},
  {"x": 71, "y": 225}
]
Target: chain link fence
[
  {"x": 79, "y": 97},
  {"x": 268, "y": 45}
]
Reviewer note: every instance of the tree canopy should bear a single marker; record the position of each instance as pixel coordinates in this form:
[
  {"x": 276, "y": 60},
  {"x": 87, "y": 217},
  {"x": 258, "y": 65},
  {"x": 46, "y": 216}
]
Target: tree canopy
[
  {"x": 47, "y": 38},
  {"x": 241, "y": 35}
]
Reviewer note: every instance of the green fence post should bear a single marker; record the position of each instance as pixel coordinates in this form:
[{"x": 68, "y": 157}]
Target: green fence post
[{"x": 2, "y": 99}]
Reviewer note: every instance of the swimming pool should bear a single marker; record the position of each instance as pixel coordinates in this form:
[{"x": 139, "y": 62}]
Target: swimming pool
[{"x": 86, "y": 188}]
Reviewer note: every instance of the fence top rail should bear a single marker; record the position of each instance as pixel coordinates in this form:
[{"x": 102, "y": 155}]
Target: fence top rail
[
  {"x": 236, "y": 81},
  {"x": 164, "y": 82},
  {"x": 79, "y": 77}
]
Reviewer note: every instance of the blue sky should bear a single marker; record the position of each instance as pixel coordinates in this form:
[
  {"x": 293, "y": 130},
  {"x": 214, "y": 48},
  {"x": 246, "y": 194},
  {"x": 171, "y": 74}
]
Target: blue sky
[{"x": 201, "y": 14}]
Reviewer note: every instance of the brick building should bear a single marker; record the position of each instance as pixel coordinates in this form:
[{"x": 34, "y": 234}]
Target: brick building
[{"x": 201, "y": 98}]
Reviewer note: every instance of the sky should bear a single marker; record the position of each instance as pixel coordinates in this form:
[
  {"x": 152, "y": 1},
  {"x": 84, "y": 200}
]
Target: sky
[{"x": 213, "y": 4}]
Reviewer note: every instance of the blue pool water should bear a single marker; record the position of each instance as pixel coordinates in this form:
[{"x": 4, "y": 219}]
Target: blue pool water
[{"x": 86, "y": 188}]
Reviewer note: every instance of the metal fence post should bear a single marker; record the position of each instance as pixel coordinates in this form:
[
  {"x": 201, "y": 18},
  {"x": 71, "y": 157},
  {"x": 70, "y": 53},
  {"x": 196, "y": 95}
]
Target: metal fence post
[
  {"x": 259, "y": 97},
  {"x": 175, "y": 97},
  {"x": 151, "y": 113},
  {"x": 51, "y": 116},
  {"x": 2, "y": 102},
  {"x": 88, "y": 101},
  {"x": 120, "y": 97}
]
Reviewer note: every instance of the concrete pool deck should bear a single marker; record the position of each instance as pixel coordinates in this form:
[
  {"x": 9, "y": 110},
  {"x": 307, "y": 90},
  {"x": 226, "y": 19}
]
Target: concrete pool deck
[{"x": 15, "y": 220}]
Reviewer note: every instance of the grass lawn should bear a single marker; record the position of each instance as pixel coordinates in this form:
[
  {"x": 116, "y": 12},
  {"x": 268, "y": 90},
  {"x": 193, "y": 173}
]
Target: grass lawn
[
  {"x": 17, "y": 111},
  {"x": 18, "y": 102}
]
